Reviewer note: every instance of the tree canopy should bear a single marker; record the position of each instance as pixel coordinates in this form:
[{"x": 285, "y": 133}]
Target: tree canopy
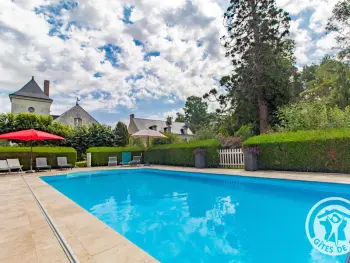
[
  {"x": 263, "y": 61},
  {"x": 339, "y": 23}
]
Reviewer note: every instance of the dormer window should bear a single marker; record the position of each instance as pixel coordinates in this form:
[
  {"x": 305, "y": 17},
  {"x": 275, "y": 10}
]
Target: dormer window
[{"x": 153, "y": 127}]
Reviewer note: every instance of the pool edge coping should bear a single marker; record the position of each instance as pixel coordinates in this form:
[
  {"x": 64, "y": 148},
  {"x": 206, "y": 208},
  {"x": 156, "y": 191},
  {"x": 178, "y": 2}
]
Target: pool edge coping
[{"x": 90, "y": 239}]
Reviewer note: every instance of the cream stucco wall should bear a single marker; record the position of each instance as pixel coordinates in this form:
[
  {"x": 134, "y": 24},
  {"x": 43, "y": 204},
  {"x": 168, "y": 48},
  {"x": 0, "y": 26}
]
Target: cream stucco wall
[
  {"x": 76, "y": 112},
  {"x": 19, "y": 105}
]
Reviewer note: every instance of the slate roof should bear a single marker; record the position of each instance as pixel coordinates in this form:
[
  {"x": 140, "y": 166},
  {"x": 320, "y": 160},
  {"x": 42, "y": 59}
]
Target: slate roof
[
  {"x": 31, "y": 90},
  {"x": 75, "y": 111},
  {"x": 143, "y": 124}
]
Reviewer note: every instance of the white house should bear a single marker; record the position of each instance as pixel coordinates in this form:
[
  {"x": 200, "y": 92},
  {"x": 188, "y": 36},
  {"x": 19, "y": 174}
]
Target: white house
[
  {"x": 179, "y": 128},
  {"x": 32, "y": 99}
]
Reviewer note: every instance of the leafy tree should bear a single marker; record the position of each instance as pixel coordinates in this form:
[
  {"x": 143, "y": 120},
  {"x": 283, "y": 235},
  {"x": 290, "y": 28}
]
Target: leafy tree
[
  {"x": 329, "y": 82},
  {"x": 179, "y": 117},
  {"x": 196, "y": 112},
  {"x": 79, "y": 139},
  {"x": 121, "y": 134},
  {"x": 340, "y": 23},
  {"x": 314, "y": 115},
  {"x": 256, "y": 44},
  {"x": 240, "y": 97}
]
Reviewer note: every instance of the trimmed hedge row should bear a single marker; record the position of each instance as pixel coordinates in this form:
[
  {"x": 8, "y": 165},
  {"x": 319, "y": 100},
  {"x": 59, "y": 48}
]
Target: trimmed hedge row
[
  {"x": 182, "y": 154},
  {"x": 51, "y": 153},
  {"x": 100, "y": 155},
  {"x": 317, "y": 151}
]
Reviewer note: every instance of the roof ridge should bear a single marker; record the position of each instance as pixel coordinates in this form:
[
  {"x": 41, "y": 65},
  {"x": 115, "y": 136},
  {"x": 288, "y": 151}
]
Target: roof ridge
[{"x": 156, "y": 120}]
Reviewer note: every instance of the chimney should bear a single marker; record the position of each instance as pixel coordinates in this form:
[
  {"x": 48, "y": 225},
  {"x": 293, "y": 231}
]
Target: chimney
[
  {"x": 132, "y": 116},
  {"x": 169, "y": 121},
  {"x": 47, "y": 87}
]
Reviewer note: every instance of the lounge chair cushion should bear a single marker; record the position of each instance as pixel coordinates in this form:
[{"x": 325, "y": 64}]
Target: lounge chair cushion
[
  {"x": 62, "y": 162},
  {"x": 41, "y": 163}
]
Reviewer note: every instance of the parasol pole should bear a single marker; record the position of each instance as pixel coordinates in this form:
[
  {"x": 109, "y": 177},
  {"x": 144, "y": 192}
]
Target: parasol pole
[{"x": 31, "y": 155}]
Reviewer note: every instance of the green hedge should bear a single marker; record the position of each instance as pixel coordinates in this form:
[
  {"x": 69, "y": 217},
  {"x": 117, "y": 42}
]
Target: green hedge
[
  {"x": 100, "y": 155},
  {"x": 182, "y": 154},
  {"x": 317, "y": 151},
  {"x": 51, "y": 153}
]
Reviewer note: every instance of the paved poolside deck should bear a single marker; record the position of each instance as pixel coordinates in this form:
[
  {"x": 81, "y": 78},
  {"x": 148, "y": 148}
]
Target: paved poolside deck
[{"x": 25, "y": 235}]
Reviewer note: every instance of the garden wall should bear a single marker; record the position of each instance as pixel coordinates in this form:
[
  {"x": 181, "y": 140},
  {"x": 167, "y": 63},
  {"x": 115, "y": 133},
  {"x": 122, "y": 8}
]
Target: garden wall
[
  {"x": 316, "y": 151},
  {"x": 182, "y": 154},
  {"x": 51, "y": 153},
  {"x": 100, "y": 155}
]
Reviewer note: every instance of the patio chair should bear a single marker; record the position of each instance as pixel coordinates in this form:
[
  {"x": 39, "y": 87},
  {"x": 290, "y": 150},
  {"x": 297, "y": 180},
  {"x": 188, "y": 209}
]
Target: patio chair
[
  {"x": 113, "y": 161},
  {"x": 41, "y": 164},
  {"x": 126, "y": 158},
  {"x": 136, "y": 160},
  {"x": 14, "y": 164},
  {"x": 4, "y": 166},
  {"x": 62, "y": 163}
]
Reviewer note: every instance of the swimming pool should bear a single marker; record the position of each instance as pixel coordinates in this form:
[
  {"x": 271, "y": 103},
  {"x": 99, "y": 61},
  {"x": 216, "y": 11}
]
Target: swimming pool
[{"x": 198, "y": 217}]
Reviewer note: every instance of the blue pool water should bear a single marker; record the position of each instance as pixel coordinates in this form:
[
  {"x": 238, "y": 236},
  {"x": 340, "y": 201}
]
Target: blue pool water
[{"x": 196, "y": 217}]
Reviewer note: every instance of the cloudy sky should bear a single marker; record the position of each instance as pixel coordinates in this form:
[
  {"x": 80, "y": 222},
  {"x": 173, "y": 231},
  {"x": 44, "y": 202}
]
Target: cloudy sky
[{"x": 131, "y": 56}]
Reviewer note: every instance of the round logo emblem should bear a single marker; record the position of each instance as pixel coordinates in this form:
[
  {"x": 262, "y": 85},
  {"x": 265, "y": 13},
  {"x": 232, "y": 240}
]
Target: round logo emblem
[{"x": 328, "y": 226}]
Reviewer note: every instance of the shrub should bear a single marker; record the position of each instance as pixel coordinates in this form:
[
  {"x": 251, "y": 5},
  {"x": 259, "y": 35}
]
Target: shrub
[
  {"x": 245, "y": 132},
  {"x": 51, "y": 153},
  {"x": 183, "y": 154},
  {"x": 80, "y": 164},
  {"x": 230, "y": 142},
  {"x": 314, "y": 115},
  {"x": 318, "y": 151},
  {"x": 100, "y": 155},
  {"x": 170, "y": 139},
  {"x": 205, "y": 133}
]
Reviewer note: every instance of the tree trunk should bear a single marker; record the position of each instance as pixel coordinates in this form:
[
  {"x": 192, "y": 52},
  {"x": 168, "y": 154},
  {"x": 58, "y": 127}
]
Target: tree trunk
[
  {"x": 259, "y": 68},
  {"x": 263, "y": 116}
]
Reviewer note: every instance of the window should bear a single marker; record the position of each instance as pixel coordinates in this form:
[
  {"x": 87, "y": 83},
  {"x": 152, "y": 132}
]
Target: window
[
  {"x": 182, "y": 131},
  {"x": 78, "y": 122},
  {"x": 165, "y": 129},
  {"x": 31, "y": 109}
]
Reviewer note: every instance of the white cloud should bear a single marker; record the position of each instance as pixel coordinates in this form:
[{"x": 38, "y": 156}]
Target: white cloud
[{"x": 172, "y": 28}]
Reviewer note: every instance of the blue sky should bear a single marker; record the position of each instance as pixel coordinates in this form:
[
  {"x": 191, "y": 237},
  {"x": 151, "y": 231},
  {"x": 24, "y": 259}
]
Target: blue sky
[{"x": 143, "y": 57}]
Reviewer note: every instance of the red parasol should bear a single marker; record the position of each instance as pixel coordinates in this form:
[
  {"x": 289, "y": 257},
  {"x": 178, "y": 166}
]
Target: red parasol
[{"x": 30, "y": 135}]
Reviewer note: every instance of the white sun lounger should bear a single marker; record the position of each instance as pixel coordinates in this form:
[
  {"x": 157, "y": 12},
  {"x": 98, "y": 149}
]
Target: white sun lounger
[
  {"x": 4, "y": 166},
  {"x": 14, "y": 164},
  {"x": 113, "y": 161}
]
